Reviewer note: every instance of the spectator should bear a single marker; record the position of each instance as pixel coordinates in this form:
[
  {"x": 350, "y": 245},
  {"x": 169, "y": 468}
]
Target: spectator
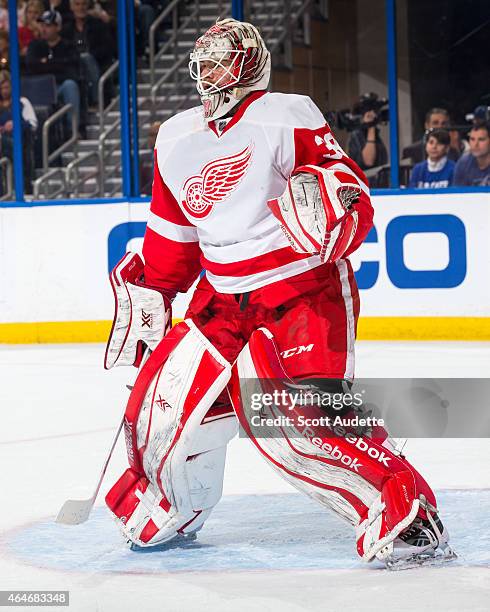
[
  {"x": 62, "y": 6},
  {"x": 435, "y": 118},
  {"x": 473, "y": 169},
  {"x": 365, "y": 145},
  {"x": 27, "y": 111},
  {"x": 4, "y": 50},
  {"x": 53, "y": 55},
  {"x": 28, "y": 127},
  {"x": 93, "y": 41},
  {"x": 31, "y": 28},
  {"x": 4, "y": 14},
  {"x": 437, "y": 170},
  {"x": 106, "y": 11},
  {"x": 144, "y": 14}
]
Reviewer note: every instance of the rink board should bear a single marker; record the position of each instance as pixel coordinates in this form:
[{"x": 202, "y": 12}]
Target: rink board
[{"x": 421, "y": 270}]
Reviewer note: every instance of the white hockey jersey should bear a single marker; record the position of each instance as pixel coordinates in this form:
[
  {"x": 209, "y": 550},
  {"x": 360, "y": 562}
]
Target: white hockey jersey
[{"x": 209, "y": 202}]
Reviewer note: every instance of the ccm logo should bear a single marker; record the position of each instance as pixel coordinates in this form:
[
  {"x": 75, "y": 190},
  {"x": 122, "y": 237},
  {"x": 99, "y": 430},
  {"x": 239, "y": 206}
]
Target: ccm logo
[{"x": 296, "y": 350}]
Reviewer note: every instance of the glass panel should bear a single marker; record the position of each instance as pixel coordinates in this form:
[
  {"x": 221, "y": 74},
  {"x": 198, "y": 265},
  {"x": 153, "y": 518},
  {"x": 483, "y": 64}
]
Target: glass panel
[
  {"x": 444, "y": 75},
  {"x": 346, "y": 61},
  {"x": 68, "y": 58}
]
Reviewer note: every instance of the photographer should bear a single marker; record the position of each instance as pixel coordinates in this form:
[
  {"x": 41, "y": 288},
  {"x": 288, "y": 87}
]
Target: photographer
[{"x": 365, "y": 145}]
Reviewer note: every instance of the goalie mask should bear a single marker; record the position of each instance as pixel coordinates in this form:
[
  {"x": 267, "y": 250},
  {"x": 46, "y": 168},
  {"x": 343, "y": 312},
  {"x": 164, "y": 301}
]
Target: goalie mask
[{"x": 228, "y": 62}]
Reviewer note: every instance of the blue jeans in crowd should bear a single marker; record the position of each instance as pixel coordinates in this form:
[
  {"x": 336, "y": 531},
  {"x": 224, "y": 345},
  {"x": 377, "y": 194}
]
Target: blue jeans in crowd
[
  {"x": 69, "y": 93},
  {"x": 92, "y": 75}
]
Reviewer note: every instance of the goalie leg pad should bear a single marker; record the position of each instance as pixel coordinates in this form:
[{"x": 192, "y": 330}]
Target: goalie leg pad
[
  {"x": 360, "y": 478},
  {"x": 176, "y": 445}
]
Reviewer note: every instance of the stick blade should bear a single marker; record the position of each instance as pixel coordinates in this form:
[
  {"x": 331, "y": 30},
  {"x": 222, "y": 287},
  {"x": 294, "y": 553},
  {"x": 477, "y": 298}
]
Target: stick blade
[{"x": 75, "y": 511}]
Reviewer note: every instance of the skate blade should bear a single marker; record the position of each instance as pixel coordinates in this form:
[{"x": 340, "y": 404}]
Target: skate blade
[
  {"x": 179, "y": 541},
  {"x": 422, "y": 560}
]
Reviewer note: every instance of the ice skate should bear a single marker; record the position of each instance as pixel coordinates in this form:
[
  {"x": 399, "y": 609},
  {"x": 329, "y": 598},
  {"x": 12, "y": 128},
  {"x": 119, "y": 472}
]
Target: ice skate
[{"x": 425, "y": 542}]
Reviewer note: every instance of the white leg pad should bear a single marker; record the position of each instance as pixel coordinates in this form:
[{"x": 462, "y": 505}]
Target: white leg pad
[{"x": 176, "y": 447}]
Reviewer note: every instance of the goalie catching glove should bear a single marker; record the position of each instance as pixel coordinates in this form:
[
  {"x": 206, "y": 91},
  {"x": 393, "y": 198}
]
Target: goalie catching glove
[
  {"x": 143, "y": 315},
  {"x": 316, "y": 211}
]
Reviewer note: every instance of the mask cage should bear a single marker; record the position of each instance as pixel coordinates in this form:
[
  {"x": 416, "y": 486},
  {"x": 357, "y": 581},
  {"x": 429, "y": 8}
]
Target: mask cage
[{"x": 231, "y": 70}]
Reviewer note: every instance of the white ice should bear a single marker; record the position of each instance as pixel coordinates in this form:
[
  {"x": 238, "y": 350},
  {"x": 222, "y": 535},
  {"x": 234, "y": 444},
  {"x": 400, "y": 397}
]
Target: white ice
[{"x": 266, "y": 547}]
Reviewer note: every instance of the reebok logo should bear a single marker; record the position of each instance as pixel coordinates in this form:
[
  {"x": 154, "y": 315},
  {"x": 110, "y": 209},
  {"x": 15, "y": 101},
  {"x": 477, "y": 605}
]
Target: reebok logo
[
  {"x": 296, "y": 350},
  {"x": 333, "y": 452},
  {"x": 374, "y": 453},
  {"x": 146, "y": 319}
]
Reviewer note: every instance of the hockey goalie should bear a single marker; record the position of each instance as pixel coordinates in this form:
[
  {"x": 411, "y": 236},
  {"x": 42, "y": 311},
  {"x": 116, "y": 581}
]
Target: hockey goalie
[{"x": 253, "y": 188}]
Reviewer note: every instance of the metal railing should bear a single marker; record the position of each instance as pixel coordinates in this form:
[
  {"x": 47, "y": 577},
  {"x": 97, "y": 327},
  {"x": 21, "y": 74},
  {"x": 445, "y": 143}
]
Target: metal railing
[
  {"x": 103, "y": 110},
  {"x": 7, "y": 174},
  {"x": 280, "y": 26},
  {"x": 103, "y": 152},
  {"x": 47, "y": 156},
  {"x": 174, "y": 71},
  {"x": 73, "y": 180},
  {"x": 173, "y": 8},
  {"x": 39, "y": 185}
]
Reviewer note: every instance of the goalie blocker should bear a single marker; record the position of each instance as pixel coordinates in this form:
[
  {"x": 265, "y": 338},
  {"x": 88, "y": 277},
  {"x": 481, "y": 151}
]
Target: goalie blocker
[
  {"x": 316, "y": 211},
  {"x": 143, "y": 314}
]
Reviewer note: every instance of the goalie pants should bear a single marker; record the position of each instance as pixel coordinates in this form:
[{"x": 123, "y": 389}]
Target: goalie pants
[{"x": 314, "y": 330}]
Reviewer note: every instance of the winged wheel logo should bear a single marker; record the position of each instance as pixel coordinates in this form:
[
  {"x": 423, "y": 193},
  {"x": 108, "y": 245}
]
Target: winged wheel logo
[{"x": 217, "y": 180}]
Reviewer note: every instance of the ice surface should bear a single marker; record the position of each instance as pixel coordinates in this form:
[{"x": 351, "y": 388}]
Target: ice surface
[
  {"x": 265, "y": 546},
  {"x": 245, "y": 532}
]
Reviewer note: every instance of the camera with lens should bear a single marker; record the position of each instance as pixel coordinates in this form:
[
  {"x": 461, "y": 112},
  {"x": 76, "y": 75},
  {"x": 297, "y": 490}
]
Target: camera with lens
[
  {"x": 479, "y": 116},
  {"x": 351, "y": 120}
]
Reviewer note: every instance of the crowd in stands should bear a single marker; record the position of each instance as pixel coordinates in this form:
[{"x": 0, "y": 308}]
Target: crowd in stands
[
  {"x": 73, "y": 40},
  {"x": 29, "y": 125},
  {"x": 445, "y": 156},
  {"x": 76, "y": 41}
]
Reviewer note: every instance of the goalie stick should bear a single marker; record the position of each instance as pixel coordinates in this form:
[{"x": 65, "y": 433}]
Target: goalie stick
[{"x": 77, "y": 511}]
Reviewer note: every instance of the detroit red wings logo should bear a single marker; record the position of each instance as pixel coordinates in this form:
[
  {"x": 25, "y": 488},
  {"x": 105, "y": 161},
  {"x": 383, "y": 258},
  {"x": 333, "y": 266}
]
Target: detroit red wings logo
[{"x": 217, "y": 180}]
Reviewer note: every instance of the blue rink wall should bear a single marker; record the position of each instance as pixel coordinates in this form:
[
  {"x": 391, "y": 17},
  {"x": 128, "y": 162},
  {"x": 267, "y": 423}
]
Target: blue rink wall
[{"x": 423, "y": 269}]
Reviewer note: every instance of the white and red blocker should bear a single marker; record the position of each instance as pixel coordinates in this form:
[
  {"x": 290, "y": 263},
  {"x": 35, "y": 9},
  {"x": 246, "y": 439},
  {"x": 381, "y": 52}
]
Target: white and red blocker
[
  {"x": 360, "y": 478},
  {"x": 176, "y": 445},
  {"x": 142, "y": 314}
]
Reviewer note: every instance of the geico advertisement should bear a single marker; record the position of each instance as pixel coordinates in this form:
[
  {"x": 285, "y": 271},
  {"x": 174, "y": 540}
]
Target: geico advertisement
[{"x": 426, "y": 256}]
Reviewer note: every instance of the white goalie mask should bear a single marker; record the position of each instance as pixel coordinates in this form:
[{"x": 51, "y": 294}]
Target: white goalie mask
[{"x": 228, "y": 62}]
